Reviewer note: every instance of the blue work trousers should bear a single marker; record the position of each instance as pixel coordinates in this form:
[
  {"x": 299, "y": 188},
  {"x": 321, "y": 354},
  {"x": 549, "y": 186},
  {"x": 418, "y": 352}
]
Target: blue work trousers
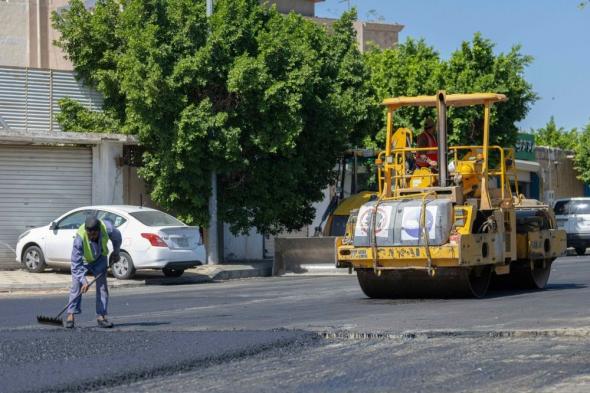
[{"x": 102, "y": 291}]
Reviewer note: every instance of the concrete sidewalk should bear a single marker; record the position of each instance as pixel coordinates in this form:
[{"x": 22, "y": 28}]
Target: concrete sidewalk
[{"x": 23, "y": 281}]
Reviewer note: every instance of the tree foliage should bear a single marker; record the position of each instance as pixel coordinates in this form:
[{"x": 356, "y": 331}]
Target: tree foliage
[
  {"x": 582, "y": 154},
  {"x": 73, "y": 116},
  {"x": 552, "y": 136},
  {"x": 574, "y": 140},
  {"x": 414, "y": 68},
  {"x": 268, "y": 101}
]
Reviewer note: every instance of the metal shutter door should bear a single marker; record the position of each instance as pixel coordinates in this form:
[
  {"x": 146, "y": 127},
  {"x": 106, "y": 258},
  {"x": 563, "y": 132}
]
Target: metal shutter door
[{"x": 37, "y": 184}]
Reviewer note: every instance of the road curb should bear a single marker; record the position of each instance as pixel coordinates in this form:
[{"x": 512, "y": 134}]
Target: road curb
[
  {"x": 206, "y": 274},
  {"x": 264, "y": 271},
  {"x": 11, "y": 288}
]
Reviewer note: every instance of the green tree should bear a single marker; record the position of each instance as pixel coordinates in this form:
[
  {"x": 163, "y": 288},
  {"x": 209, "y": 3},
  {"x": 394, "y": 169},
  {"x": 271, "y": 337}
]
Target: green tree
[
  {"x": 73, "y": 116},
  {"x": 269, "y": 101},
  {"x": 552, "y": 136},
  {"x": 475, "y": 68},
  {"x": 582, "y": 155},
  {"x": 414, "y": 68},
  {"x": 411, "y": 68}
]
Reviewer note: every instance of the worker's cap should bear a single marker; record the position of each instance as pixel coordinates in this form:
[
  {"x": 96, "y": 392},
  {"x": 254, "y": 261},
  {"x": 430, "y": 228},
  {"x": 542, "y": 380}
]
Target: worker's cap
[
  {"x": 91, "y": 224},
  {"x": 428, "y": 123}
]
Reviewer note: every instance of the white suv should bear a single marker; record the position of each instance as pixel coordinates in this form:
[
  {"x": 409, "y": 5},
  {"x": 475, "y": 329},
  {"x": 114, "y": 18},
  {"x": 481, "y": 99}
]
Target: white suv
[{"x": 573, "y": 216}]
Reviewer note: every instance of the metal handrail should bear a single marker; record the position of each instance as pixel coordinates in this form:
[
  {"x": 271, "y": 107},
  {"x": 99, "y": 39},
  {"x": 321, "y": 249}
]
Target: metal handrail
[{"x": 501, "y": 172}]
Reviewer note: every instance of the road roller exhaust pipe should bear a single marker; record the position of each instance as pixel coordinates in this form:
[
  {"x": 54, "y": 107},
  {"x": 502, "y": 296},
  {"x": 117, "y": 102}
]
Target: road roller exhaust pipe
[{"x": 441, "y": 108}]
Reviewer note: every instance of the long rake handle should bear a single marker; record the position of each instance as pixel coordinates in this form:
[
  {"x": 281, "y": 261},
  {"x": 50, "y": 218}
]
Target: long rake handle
[{"x": 80, "y": 294}]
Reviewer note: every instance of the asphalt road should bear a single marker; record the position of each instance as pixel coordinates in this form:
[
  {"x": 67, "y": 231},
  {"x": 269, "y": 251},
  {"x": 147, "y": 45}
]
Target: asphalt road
[{"x": 305, "y": 334}]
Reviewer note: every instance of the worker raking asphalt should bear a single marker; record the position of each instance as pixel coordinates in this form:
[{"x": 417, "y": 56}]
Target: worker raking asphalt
[{"x": 90, "y": 253}]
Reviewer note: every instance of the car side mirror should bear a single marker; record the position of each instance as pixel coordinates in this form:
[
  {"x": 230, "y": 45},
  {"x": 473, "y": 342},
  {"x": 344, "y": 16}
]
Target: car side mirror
[{"x": 52, "y": 226}]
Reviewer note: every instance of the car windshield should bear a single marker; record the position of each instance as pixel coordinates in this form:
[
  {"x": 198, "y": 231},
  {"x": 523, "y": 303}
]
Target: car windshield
[
  {"x": 338, "y": 225},
  {"x": 153, "y": 218},
  {"x": 581, "y": 207},
  {"x": 562, "y": 208}
]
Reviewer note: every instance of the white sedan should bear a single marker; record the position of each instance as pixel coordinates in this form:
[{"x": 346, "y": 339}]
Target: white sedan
[{"x": 151, "y": 240}]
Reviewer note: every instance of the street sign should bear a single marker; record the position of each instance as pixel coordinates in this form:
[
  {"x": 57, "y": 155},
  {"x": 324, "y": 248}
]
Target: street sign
[{"x": 525, "y": 147}]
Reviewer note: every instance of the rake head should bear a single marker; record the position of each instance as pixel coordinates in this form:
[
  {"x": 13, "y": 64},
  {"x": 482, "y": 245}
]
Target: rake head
[{"x": 49, "y": 320}]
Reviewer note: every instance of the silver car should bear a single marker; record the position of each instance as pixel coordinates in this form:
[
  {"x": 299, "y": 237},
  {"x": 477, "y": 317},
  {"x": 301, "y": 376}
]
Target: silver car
[{"x": 573, "y": 216}]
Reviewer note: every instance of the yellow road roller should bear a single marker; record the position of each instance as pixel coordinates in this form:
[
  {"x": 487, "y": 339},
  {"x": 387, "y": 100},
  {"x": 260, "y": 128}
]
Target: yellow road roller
[{"x": 448, "y": 229}]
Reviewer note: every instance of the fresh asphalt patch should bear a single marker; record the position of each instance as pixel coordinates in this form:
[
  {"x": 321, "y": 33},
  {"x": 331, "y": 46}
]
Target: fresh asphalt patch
[
  {"x": 58, "y": 360},
  {"x": 88, "y": 359},
  {"x": 401, "y": 365},
  {"x": 220, "y": 338}
]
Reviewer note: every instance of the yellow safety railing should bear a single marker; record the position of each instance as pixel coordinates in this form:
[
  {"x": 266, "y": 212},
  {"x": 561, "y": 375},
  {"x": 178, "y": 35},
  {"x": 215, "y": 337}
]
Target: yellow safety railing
[{"x": 399, "y": 174}]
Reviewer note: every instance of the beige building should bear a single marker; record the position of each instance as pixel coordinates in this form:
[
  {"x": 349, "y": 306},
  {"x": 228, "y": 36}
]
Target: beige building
[
  {"x": 383, "y": 35},
  {"x": 303, "y": 7},
  {"x": 368, "y": 34},
  {"x": 26, "y": 34},
  {"x": 558, "y": 177}
]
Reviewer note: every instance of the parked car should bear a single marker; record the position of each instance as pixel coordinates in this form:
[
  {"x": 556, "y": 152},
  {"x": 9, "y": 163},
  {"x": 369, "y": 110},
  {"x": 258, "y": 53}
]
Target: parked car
[
  {"x": 573, "y": 216},
  {"x": 151, "y": 240}
]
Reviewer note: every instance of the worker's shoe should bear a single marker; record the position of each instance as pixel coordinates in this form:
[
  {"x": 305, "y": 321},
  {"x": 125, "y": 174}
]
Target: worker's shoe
[
  {"x": 104, "y": 323},
  {"x": 69, "y": 324}
]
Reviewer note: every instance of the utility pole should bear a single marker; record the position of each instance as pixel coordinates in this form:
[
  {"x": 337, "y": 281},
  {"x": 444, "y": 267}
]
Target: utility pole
[
  {"x": 209, "y": 8},
  {"x": 212, "y": 244}
]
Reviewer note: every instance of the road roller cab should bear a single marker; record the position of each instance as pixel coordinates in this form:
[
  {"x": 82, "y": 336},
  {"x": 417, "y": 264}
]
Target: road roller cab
[{"x": 448, "y": 229}]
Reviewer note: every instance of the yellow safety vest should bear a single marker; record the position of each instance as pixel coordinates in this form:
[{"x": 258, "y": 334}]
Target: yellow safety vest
[{"x": 86, "y": 242}]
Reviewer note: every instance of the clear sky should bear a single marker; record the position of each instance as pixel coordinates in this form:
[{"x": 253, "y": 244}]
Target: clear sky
[{"x": 555, "y": 32}]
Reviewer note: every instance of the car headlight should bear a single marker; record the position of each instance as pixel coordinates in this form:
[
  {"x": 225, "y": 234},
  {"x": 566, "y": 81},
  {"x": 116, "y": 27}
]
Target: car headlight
[{"x": 23, "y": 235}]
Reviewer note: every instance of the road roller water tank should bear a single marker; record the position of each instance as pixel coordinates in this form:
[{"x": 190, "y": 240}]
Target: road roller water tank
[{"x": 398, "y": 223}]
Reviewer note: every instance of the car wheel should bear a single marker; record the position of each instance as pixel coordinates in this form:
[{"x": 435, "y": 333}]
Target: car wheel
[
  {"x": 172, "y": 272},
  {"x": 580, "y": 250},
  {"x": 124, "y": 268},
  {"x": 33, "y": 259}
]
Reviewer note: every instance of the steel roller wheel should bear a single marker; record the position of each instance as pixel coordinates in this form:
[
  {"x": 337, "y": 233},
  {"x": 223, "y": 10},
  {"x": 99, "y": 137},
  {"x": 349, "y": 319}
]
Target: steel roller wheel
[
  {"x": 540, "y": 275},
  {"x": 479, "y": 279},
  {"x": 536, "y": 276},
  {"x": 375, "y": 287},
  {"x": 446, "y": 283}
]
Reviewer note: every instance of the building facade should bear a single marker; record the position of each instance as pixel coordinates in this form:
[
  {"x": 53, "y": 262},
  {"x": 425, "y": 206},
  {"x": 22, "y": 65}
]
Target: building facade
[
  {"x": 558, "y": 177},
  {"x": 382, "y": 35},
  {"x": 44, "y": 172},
  {"x": 546, "y": 173},
  {"x": 26, "y": 34}
]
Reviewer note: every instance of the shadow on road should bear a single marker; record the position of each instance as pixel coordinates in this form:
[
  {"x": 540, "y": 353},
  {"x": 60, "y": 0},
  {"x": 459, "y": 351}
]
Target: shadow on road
[
  {"x": 186, "y": 278},
  {"x": 505, "y": 292},
  {"x": 554, "y": 287},
  {"x": 496, "y": 291}
]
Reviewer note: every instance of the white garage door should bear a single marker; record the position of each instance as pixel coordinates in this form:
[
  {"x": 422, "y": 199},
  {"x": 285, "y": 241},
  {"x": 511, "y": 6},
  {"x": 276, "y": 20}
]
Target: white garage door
[{"x": 37, "y": 184}]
